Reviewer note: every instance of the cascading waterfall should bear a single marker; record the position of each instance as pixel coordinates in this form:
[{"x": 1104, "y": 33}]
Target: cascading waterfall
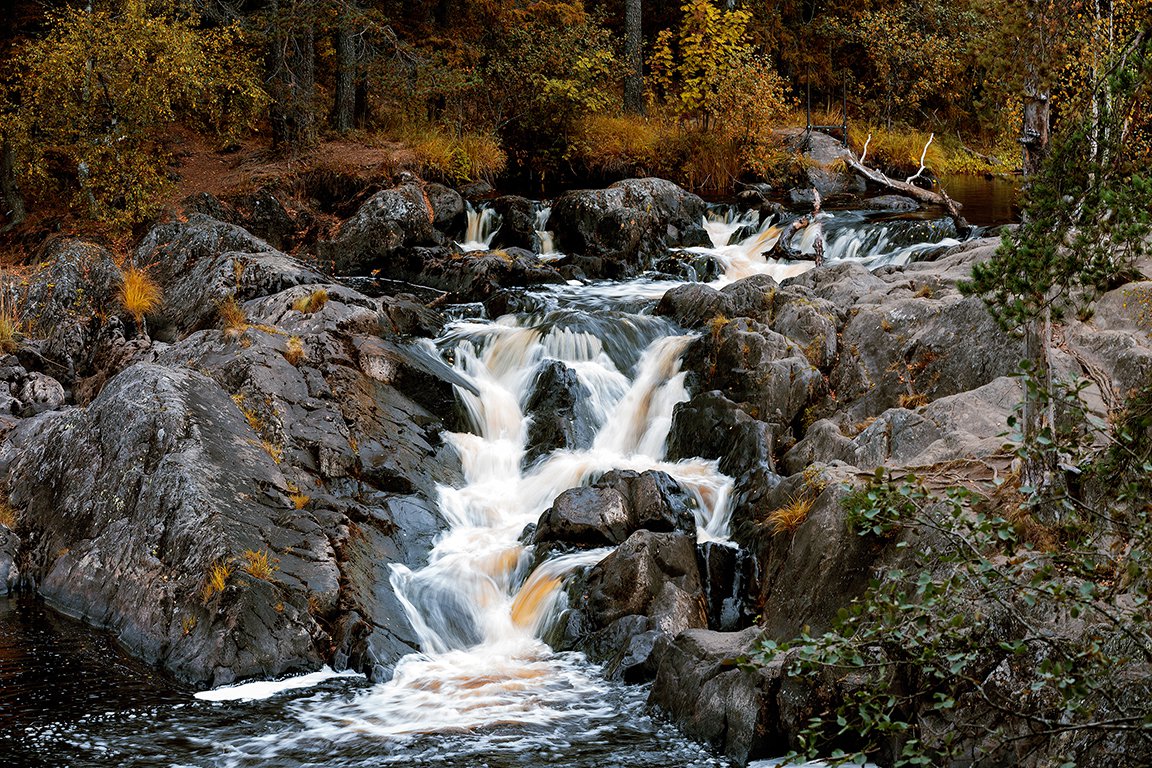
[
  {"x": 483, "y": 223},
  {"x": 485, "y": 689}
]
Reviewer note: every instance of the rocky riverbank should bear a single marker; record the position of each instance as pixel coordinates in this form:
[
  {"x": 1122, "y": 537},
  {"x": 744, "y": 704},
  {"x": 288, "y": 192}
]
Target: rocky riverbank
[{"x": 226, "y": 484}]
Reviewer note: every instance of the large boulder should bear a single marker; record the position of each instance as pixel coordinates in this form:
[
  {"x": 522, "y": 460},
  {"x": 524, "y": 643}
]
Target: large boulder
[
  {"x": 628, "y": 225},
  {"x": 389, "y": 221},
  {"x": 517, "y": 222},
  {"x": 557, "y": 411},
  {"x": 201, "y": 263},
  {"x": 648, "y": 588},
  {"x": 470, "y": 276},
  {"x": 616, "y": 506}
]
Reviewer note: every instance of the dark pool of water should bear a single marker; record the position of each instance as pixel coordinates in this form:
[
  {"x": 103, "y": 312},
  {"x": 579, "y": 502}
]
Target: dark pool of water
[
  {"x": 70, "y": 697},
  {"x": 987, "y": 202}
]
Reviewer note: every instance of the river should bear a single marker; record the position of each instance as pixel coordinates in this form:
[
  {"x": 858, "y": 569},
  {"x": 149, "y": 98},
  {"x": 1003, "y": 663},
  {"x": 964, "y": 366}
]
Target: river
[{"x": 486, "y": 690}]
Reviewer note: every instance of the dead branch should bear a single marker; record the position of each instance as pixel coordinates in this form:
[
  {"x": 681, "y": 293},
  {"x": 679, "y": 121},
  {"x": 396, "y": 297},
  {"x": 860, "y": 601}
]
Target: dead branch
[{"x": 923, "y": 154}]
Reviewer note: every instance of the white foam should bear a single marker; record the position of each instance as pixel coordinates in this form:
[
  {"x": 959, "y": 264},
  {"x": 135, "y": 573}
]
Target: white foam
[{"x": 263, "y": 689}]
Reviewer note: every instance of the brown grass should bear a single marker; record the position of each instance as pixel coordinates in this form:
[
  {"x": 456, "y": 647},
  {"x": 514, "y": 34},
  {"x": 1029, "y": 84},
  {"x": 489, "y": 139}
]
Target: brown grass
[
  {"x": 233, "y": 320},
  {"x": 139, "y": 294},
  {"x": 294, "y": 350},
  {"x": 8, "y": 517},
  {"x": 217, "y": 581},
  {"x": 312, "y": 303},
  {"x": 468, "y": 157},
  {"x": 258, "y": 564},
  {"x": 187, "y": 624},
  {"x": 10, "y": 325},
  {"x": 913, "y": 400},
  {"x": 791, "y": 516}
]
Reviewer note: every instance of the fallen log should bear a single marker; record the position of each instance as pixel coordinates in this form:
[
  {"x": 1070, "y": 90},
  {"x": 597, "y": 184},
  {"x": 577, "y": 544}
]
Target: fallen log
[{"x": 911, "y": 190}]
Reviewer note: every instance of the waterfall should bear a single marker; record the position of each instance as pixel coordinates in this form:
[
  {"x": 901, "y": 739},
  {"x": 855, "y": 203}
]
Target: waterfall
[{"x": 483, "y": 223}]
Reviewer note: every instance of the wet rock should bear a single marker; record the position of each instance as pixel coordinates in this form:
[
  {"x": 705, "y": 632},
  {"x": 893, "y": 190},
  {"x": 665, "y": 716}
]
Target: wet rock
[
  {"x": 586, "y": 517},
  {"x": 201, "y": 262},
  {"x": 693, "y": 305},
  {"x": 38, "y": 393},
  {"x": 517, "y": 222},
  {"x": 391, "y": 220},
  {"x": 189, "y": 492},
  {"x": 752, "y": 297},
  {"x": 655, "y": 501},
  {"x": 617, "y": 505},
  {"x": 475, "y": 275},
  {"x": 713, "y": 427},
  {"x": 751, "y": 364},
  {"x": 9, "y": 573},
  {"x": 628, "y": 225},
  {"x": 898, "y": 203},
  {"x": 647, "y": 588},
  {"x": 448, "y": 210},
  {"x": 728, "y": 573},
  {"x": 557, "y": 410},
  {"x": 703, "y": 688}
]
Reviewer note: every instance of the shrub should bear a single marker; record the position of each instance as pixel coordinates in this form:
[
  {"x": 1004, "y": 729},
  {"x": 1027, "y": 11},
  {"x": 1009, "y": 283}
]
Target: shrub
[
  {"x": 619, "y": 145},
  {"x": 95, "y": 95},
  {"x": 139, "y": 293}
]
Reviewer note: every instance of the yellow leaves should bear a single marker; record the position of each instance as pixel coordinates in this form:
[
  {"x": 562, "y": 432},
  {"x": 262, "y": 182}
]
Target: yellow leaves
[{"x": 99, "y": 90}]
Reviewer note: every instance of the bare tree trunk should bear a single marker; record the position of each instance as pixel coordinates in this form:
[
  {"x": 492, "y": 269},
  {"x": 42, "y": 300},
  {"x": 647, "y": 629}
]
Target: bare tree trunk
[
  {"x": 633, "y": 58},
  {"x": 292, "y": 77},
  {"x": 347, "y": 64},
  {"x": 1034, "y": 136},
  {"x": 13, "y": 200}
]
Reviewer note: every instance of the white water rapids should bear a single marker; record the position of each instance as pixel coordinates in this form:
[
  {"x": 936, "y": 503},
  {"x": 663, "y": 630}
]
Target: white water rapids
[{"x": 478, "y": 611}]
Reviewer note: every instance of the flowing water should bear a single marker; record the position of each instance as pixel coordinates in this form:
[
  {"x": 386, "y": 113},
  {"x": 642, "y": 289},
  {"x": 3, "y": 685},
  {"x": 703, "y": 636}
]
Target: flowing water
[{"x": 485, "y": 690}]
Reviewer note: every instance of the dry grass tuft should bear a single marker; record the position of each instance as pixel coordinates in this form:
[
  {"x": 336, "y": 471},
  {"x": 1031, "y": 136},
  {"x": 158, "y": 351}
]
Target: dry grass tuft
[
  {"x": 312, "y": 303},
  {"x": 258, "y": 564},
  {"x": 8, "y": 517},
  {"x": 457, "y": 159},
  {"x": 275, "y": 452},
  {"x": 187, "y": 624},
  {"x": 618, "y": 144},
  {"x": 299, "y": 500},
  {"x": 294, "y": 351},
  {"x": 217, "y": 581},
  {"x": 10, "y": 325},
  {"x": 791, "y": 516},
  {"x": 139, "y": 293},
  {"x": 233, "y": 320},
  {"x": 913, "y": 400}
]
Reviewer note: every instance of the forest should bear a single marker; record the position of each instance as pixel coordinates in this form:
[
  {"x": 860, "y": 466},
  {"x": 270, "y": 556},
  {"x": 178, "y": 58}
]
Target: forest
[{"x": 100, "y": 99}]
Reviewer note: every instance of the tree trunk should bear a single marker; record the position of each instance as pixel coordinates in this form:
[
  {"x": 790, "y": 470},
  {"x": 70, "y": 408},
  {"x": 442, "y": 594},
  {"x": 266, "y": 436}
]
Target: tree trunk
[
  {"x": 1034, "y": 136},
  {"x": 292, "y": 77},
  {"x": 344, "y": 106},
  {"x": 633, "y": 58},
  {"x": 13, "y": 200}
]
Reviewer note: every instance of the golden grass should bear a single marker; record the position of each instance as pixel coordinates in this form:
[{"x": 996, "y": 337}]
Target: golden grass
[
  {"x": 312, "y": 303},
  {"x": 187, "y": 624},
  {"x": 258, "y": 564},
  {"x": 294, "y": 350},
  {"x": 463, "y": 158},
  {"x": 233, "y": 320},
  {"x": 139, "y": 294},
  {"x": 250, "y": 415},
  {"x": 913, "y": 400},
  {"x": 299, "y": 500},
  {"x": 275, "y": 452},
  {"x": 618, "y": 144},
  {"x": 217, "y": 581},
  {"x": 10, "y": 326},
  {"x": 791, "y": 516},
  {"x": 8, "y": 517}
]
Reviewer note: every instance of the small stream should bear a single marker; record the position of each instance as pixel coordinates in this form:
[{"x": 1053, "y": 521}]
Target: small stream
[{"x": 486, "y": 690}]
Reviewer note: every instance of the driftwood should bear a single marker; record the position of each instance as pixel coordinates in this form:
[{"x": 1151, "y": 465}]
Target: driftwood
[
  {"x": 783, "y": 247},
  {"x": 911, "y": 190}
]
